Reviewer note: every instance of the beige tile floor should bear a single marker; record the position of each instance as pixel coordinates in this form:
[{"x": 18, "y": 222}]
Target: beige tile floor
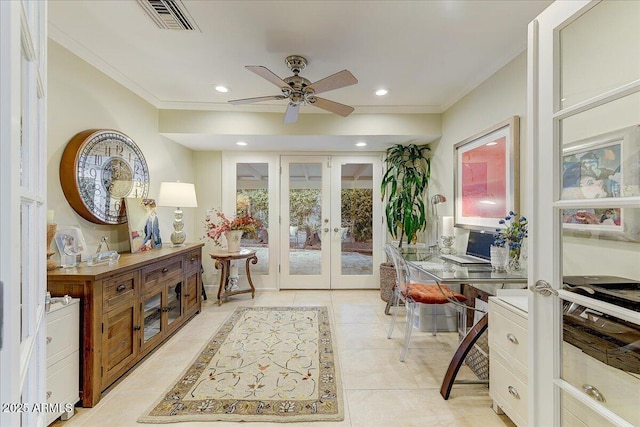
[{"x": 379, "y": 390}]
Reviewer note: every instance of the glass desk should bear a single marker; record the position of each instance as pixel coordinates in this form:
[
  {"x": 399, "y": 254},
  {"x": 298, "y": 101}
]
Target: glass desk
[{"x": 447, "y": 273}]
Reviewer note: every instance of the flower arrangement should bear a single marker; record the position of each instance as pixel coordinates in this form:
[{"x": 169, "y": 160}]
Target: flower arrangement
[
  {"x": 216, "y": 224},
  {"x": 516, "y": 229}
]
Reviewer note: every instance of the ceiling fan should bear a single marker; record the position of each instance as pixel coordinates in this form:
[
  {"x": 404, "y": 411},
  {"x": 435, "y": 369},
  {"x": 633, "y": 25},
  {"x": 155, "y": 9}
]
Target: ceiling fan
[{"x": 299, "y": 90}]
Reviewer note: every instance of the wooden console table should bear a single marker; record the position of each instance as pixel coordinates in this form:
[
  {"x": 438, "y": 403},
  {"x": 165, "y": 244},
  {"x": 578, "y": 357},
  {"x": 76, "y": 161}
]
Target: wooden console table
[
  {"x": 223, "y": 263},
  {"x": 128, "y": 309}
]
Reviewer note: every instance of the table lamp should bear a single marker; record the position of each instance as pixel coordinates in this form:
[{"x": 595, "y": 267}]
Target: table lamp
[
  {"x": 180, "y": 195},
  {"x": 435, "y": 201}
]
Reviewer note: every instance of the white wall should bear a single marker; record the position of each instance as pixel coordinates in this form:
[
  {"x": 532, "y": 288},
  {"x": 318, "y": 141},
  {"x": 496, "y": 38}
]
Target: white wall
[{"x": 81, "y": 97}]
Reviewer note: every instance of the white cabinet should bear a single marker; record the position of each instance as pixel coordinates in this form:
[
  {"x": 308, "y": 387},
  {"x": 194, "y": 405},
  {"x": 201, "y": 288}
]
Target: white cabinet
[
  {"x": 508, "y": 347},
  {"x": 63, "y": 359}
]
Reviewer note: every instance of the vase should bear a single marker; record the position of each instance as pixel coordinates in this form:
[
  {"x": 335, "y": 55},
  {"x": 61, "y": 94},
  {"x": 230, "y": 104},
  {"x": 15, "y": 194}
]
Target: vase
[
  {"x": 499, "y": 258},
  {"x": 233, "y": 240},
  {"x": 515, "y": 249}
]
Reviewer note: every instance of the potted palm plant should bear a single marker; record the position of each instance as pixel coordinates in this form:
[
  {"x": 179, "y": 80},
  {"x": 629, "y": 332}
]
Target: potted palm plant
[{"x": 405, "y": 183}]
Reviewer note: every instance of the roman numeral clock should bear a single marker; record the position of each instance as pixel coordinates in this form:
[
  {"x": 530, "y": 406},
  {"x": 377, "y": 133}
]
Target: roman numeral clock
[{"x": 98, "y": 169}]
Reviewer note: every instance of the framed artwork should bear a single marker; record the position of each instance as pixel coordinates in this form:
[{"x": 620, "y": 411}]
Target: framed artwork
[
  {"x": 486, "y": 176},
  {"x": 70, "y": 242},
  {"x": 603, "y": 167},
  {"x": 144, "y": 229}
]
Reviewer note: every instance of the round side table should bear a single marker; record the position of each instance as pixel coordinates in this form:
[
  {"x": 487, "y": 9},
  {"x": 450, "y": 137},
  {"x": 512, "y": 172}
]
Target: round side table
[{"x": 223, "y": 263}]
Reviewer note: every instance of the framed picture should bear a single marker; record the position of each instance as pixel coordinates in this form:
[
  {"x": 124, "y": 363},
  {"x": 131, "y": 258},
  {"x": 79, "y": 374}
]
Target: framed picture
[
  {"x": 144, "y": 230},
  {"x": 70, "y": 242},
  {"x": 486, "y": 176},
  {"x": 603, "y": 167}
]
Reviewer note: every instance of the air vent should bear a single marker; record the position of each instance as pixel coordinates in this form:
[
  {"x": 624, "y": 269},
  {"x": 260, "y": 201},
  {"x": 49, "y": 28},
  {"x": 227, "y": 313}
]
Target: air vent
[{"x": 169, "y": 14}]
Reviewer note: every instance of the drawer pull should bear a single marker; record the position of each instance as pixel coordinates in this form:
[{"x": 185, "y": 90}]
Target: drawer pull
[
  {"x": 593, "y": 392},
  {"x": 512, "y": 338},
  {"x": 164, "y": 270},
  {"x": 192, "y": 259},
  {"x": 513, "y": 392},
  {"x": 136, "y": 328},
  {"x": 49, "y": 339},
  {"x": 48, "y": 394},
  {"x": 187, "y": 295},
  {"x": 121, "y": 288}
]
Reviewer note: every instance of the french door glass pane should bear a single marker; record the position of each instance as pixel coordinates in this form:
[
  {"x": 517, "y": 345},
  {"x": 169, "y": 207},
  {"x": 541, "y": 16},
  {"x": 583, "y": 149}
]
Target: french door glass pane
[
  {"x": 356, "y": 232},
  {"x": 601, "y": 151},
  {"x": 305, "y": 208},
  {"x": 593, "y": 65},
  {"x": 252, "y": 197}
]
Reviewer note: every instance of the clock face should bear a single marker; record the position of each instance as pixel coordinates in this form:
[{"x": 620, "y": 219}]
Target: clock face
[{"x": 108, "y": 166}]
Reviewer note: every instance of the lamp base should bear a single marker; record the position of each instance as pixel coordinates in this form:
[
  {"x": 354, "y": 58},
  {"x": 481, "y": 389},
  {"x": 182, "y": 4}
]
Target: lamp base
[
  {"x": 447, "y": 243},
  {"x": 178, "y": 236}
]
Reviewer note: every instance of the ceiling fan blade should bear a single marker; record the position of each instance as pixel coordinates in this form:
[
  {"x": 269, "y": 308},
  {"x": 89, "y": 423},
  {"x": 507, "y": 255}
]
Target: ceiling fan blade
[
  {"x": 334, "y": 81},
  {"x": 267, "y": 74},
  {"x": 291, "y": 116},
  {"x": 331, "y": 106},
  {"x": 257, "y": 99}
]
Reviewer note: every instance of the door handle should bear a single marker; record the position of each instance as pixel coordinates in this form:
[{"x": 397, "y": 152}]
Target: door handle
[{"x": 543, "y": 288}]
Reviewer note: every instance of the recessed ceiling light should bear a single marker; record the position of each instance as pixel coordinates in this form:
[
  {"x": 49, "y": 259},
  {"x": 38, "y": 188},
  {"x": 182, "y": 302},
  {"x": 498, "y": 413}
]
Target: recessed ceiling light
[
  {"x": 361, "y": 144},
  {"x": 241, "y": 143},
  {"x": 222, "y": 89},
  {"x": 381, "y": 92}
]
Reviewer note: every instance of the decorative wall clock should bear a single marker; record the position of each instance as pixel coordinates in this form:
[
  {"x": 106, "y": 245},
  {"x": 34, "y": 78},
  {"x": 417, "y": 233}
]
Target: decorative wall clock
[{"x": 98, "y": 170}]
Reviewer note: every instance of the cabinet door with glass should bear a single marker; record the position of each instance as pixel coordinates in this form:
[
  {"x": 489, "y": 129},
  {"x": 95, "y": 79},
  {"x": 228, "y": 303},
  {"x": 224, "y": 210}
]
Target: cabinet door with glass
[{"x": 584, "y": 121}]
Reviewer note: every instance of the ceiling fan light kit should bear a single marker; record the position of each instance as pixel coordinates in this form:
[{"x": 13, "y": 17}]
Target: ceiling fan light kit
[{"x": 299, "y": 90}]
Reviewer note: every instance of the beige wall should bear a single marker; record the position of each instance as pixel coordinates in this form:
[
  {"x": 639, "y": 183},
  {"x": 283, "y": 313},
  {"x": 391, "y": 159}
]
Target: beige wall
[
  {"x": 500, "y": 97},
  {"x": 81, "y": 97}
]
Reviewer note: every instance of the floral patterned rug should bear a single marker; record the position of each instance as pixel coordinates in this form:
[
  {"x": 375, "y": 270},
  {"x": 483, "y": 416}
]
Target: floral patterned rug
[{"x": 264, "y": 364}]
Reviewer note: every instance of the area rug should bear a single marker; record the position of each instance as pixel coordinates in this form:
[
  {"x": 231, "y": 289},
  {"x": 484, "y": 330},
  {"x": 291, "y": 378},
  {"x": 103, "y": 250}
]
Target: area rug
[{"x": 264, "y": 364}]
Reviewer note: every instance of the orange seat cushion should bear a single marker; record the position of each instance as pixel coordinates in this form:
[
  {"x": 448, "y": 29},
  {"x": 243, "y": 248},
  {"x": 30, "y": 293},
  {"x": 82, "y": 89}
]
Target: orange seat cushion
[{"x": 430, "y": 294}]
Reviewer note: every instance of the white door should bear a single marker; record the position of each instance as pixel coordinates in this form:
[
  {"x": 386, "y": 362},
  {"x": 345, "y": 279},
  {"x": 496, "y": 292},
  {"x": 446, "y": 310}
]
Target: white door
[
  {"x": 584, "y": 162},
  {"x": 330, "y": 238},
  {"x": 250, "y": 182},
  {"x": 23, "y": 165}
]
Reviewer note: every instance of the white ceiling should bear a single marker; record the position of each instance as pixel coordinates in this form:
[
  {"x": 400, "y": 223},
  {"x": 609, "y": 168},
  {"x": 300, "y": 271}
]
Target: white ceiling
[{"x": 428, "y": 54}]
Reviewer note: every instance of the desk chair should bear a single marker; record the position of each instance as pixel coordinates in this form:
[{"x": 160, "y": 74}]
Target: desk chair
[{"x": 413, "y": 293}]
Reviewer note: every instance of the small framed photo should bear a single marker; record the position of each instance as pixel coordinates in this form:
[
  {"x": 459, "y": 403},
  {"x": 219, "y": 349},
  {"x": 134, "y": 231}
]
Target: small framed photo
[{"x": 70, "y": 242}]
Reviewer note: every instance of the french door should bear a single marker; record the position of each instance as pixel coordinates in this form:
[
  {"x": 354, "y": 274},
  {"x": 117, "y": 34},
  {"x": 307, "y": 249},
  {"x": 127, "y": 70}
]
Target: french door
[
  {"x": 584, "y": 128},
  {"x": 330, "y": 222},
  {"x": 23, "y": 166}
]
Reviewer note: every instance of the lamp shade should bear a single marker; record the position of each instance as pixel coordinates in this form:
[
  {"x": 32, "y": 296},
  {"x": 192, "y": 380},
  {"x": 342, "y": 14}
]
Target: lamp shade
[{"x": 177, "y": 194}]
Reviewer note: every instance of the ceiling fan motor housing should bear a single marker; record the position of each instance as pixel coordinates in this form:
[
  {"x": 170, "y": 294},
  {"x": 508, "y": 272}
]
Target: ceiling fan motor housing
[{"x": 296, "y": 63}]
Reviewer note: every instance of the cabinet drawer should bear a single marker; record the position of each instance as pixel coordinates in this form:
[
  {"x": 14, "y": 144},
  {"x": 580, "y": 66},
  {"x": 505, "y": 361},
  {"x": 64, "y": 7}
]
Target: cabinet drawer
[
  {"x": 507, "y": 390},
  {"x": 63, "y": 383},
  {"x": 63, "y": 332},
  {"x": 508, "y": 335},
  {"x": 118, "y": 290},
  {"x": 193, "y": 260},
  {"x": 162, "y": 273},
  {"x": 618, "y": 389}
]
